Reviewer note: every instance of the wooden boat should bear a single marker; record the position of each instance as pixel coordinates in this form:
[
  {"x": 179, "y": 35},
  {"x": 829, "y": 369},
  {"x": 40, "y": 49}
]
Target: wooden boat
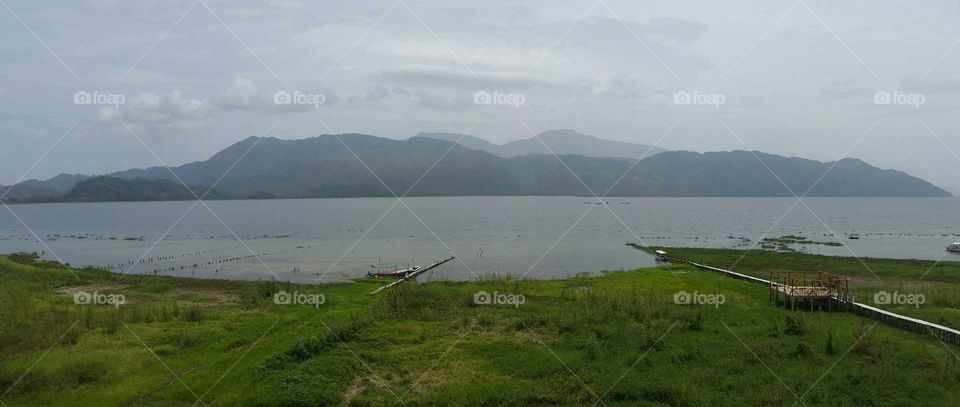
[{"x": 394, "y": 274}]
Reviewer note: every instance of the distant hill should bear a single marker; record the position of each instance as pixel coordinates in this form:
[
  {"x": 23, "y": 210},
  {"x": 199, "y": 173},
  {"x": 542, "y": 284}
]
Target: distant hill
[
  {"x": 560, "y": 142},
  {"x": 324, "y": 167},
  {"x": 52, "y": 187},
  {"x": 103, "y": 189}
]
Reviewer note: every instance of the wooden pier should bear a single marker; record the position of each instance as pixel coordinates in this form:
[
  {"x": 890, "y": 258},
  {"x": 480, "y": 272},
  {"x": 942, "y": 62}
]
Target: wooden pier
[
  {"x": 415, "y": 274},
  {"x": 842, "y": 299}
]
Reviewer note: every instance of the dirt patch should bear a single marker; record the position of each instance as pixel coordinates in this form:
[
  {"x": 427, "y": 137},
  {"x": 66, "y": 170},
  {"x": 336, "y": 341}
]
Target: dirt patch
[
  {"x": 204, "y": 298},
  {"x": 100, "y": 288},
  {"x": 84, "y": 293},
  {"x": 361, "y": 383}
]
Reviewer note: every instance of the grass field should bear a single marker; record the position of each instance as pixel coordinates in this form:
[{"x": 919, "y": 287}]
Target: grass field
[
  {"x": 937, "y": 283},
  {"x": 618, "y": 338}
]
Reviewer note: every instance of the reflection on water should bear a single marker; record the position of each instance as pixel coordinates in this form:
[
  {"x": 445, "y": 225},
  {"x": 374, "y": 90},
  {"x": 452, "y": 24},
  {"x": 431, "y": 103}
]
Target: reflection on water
[{"x": 332, "y": 239}]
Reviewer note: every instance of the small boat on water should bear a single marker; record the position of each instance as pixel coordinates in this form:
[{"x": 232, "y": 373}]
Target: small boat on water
[
  {"x": 955, "y": 247},
  {"x": 854, "y": 236},
  {"x": 394, "y": 274}
]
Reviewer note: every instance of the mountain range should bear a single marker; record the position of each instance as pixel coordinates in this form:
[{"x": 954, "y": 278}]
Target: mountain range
[
  {"x": 359, "y": 165},
  {"x": 563, "y": 141}
]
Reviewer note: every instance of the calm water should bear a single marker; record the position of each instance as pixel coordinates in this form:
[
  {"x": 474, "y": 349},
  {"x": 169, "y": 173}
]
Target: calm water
[{"x": 332, "y": 239}]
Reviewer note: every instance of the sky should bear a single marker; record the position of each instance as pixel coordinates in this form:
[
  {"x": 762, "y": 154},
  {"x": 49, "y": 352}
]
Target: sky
[{"x": 95, "y": 86}]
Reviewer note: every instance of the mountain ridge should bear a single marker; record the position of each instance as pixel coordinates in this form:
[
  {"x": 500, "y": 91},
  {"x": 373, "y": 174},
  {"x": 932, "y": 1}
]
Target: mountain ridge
[
  {"x": 328, "y": 166},
  {"x": 561, "y": 141}
]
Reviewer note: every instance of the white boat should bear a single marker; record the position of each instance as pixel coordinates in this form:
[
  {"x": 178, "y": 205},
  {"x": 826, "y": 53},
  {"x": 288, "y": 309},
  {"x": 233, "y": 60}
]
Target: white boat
[{"x": 955, "y": 247}]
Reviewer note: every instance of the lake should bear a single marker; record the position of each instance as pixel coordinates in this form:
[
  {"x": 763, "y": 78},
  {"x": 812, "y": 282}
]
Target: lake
[{"x": 314, "y": 240}]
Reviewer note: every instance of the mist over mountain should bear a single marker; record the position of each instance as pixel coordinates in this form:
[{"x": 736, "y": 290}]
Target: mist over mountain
[
  {"x": 341, "y": 165},
  {"x": 33, "y": 188},
  {"x": 564, "y": 141}
]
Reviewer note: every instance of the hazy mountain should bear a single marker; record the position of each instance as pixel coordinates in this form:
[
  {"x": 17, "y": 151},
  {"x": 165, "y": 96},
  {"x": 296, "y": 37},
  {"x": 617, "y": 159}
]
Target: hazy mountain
[
  {"x": 99, "y": 189},
  {"x": 324, "y": 166},
  {"x": 560, "y": 142},
  {"x": 33, "y": 188}
]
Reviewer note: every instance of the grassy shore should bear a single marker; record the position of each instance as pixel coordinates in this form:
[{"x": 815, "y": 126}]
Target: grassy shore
[
  {"x": 618, "y": 338},
  {"x": 937, "y": 282}
]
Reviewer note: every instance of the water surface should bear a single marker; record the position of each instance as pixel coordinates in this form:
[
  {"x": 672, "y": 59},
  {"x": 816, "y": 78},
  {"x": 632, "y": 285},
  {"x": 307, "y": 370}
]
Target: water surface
[{"x": 313, "y": 240}]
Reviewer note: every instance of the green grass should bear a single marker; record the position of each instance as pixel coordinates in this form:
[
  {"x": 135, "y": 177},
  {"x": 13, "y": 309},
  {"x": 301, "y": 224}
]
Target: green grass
[
  {"x": 938, "y": 282},
  {"x": 615, "y": 339}
]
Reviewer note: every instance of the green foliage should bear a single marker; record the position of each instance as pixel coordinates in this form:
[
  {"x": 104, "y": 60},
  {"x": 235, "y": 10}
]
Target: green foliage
[{"x": 618, "y": 336}]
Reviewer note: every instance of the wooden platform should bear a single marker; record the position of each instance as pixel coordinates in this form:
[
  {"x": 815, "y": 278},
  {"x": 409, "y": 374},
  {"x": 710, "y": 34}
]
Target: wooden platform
[
  {"x": 844, "y": 301},
  {"x": 809, "y": 290}
]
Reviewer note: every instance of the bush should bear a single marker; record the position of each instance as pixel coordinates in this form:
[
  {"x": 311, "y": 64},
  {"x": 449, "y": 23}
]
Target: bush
[{"x": 795, "y": 325}]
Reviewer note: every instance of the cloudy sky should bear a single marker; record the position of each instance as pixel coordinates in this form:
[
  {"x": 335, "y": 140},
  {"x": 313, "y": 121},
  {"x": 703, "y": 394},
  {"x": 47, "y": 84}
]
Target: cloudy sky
[{"x": 875, "y": 80}]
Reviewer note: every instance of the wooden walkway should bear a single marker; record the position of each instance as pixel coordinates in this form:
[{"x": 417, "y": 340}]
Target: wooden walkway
[
  {"x": 940, "y": 332},
  {"x": 415, "y": 274}
]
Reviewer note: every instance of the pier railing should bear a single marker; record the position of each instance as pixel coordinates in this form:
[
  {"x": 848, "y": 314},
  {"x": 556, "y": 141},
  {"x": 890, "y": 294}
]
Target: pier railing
[{"x": 940, "y": 332}]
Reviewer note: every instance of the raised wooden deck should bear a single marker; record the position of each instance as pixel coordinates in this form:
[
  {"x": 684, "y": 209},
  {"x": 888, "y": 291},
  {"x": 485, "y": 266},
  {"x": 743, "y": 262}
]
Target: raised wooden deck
[{"x": 846, "y": 302}]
